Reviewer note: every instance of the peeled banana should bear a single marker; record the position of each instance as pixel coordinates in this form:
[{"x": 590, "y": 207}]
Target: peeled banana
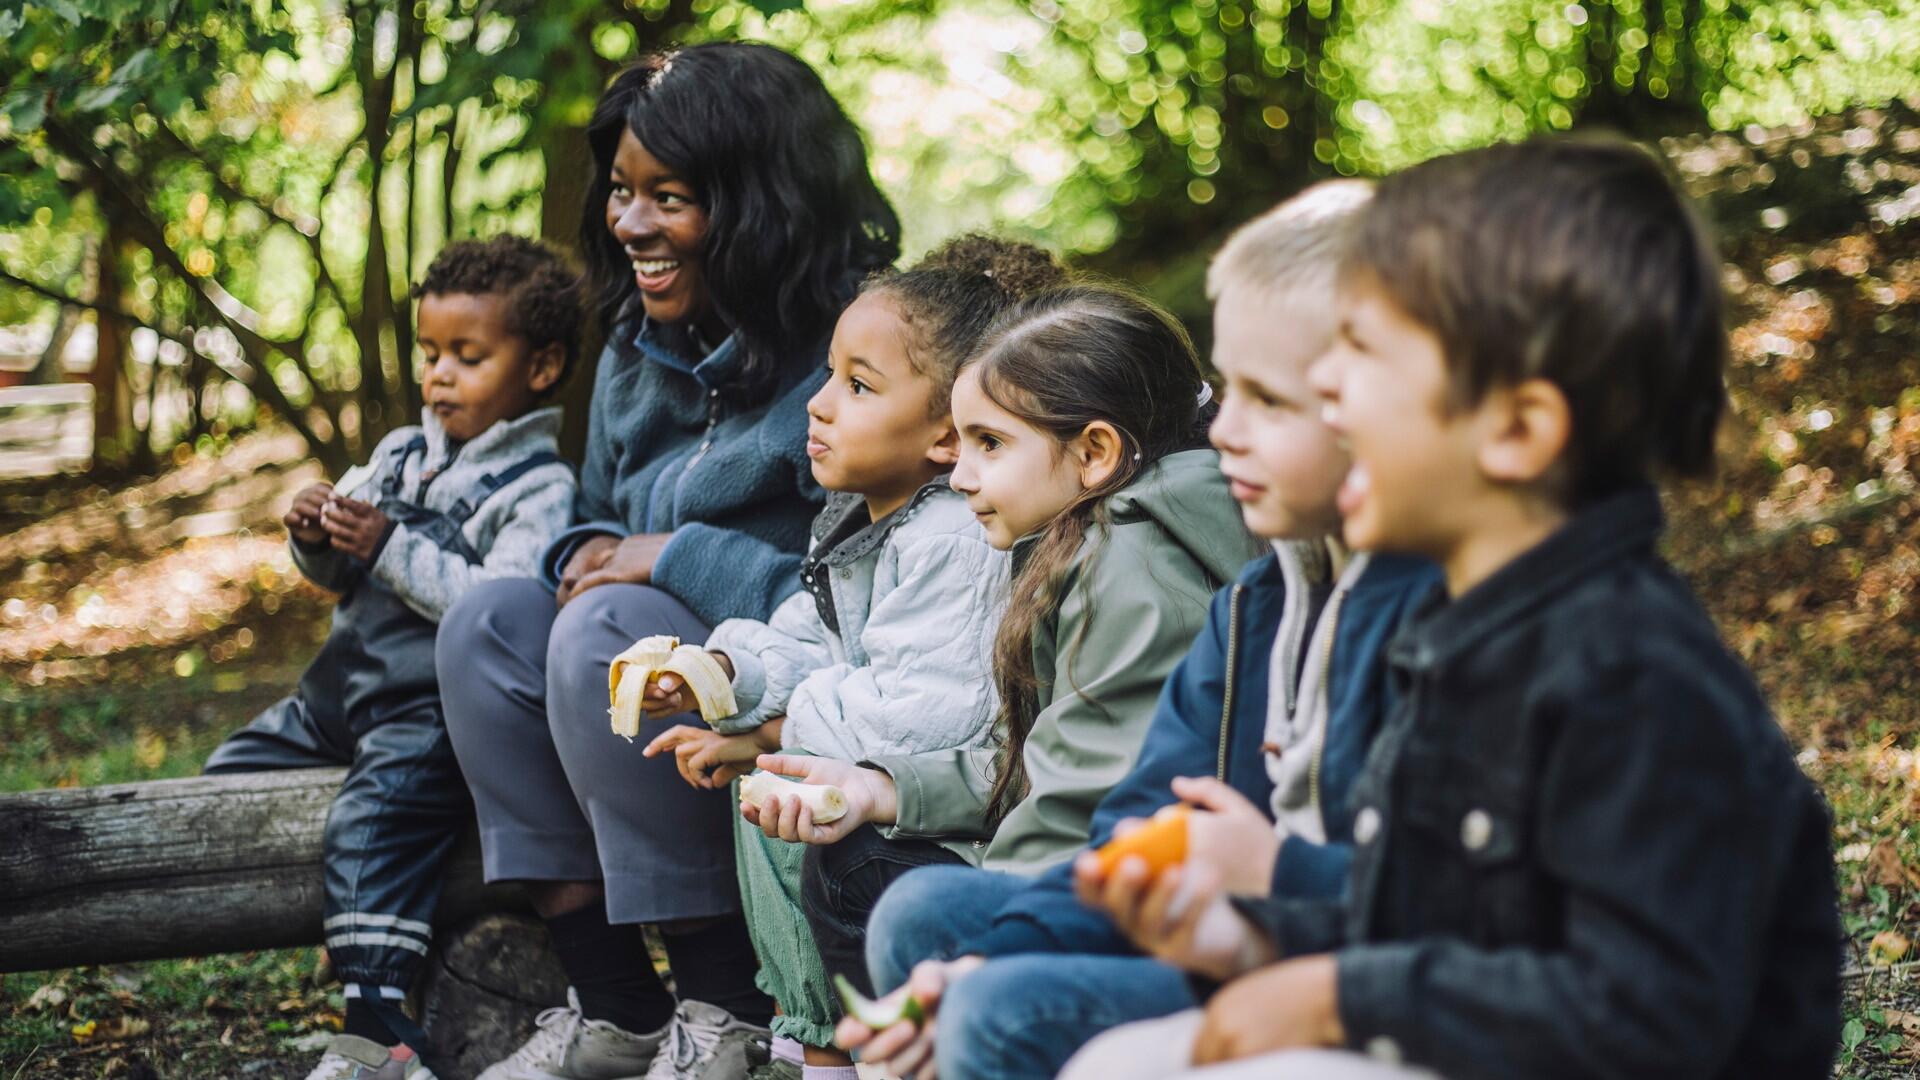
[
  {"x": 632, "y": 670},
  {"x": 827, "y": 803}
]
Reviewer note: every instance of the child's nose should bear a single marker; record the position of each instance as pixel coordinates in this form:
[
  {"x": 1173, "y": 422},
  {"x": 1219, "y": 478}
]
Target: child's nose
[
  {"x": 1324, "y": 375},
  {"x": 1223, "y": 432},
  {"x": 961, "y": 478}
]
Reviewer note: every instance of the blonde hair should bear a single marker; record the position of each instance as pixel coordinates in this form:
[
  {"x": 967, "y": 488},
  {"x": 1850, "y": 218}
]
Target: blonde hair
[{"x": 1296, "y": 249}]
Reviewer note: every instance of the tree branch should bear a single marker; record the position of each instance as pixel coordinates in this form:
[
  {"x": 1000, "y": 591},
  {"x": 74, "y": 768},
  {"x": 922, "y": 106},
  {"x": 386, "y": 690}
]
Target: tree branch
[
  {"x": 231, "y": 313},
  {"x": 233, "y": 193}
]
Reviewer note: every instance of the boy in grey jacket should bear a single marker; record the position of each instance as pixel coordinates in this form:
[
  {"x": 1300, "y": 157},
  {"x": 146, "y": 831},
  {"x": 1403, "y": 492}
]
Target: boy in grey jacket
[
  {"x": 477, "y": 491},
  {"x": 887, "y": 648}
]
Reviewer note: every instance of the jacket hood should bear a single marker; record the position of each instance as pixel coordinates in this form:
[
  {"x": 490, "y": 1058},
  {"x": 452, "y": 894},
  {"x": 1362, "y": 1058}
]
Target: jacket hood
[{"x": 1186, "y": 495}]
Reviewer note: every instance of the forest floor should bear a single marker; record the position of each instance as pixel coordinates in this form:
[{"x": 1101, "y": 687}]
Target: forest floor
[{"x": 141, "y": 622}]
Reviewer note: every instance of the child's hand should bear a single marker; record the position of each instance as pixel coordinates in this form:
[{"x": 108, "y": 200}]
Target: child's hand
[
  {"x": 354, "y": 527},
  {"x": 906, "y": 1048},
  {"x": 1288, "y": 1006},
  {"x": 1180, "y": 917},
  {"x": 1230, "y": 835},
  {"x": 303, "y": 518},
  {"x": 706, "y": 758},
  {"x": 588, "y": 557},
  {"x": 667, "y": 695},
  {"x": 871, "y": 799}
]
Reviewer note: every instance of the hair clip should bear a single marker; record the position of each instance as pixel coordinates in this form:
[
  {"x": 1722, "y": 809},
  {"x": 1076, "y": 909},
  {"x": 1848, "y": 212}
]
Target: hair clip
[
  {"x": 1206, "y": 394},
  {"x": 1136, "y": 455}
]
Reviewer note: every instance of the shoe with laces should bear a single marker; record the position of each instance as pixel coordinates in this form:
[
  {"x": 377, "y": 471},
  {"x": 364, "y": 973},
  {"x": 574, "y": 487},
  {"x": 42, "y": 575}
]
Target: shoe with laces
[
  {"x": 568, "y": 1046},
  {"x": 706, "y": 1042},
  {"x": 350, "y": 1057}
]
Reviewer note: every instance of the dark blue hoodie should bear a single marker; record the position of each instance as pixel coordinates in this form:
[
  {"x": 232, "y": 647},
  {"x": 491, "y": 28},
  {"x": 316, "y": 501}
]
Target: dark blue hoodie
[{"x": 1226, "y": 675}]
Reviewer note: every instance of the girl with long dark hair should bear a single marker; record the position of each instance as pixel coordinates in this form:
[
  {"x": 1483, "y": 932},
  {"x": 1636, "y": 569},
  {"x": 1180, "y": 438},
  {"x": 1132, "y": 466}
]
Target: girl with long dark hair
[{"x": 730, "y": 219}]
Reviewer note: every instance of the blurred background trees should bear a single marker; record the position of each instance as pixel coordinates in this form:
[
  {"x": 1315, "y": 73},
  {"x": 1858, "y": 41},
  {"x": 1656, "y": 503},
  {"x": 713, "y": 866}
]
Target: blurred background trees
[{"x": 222, "y": 203}]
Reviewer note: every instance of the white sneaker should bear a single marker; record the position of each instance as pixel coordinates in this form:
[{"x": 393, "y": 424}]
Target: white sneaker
[
  {"x": 706, "y": 1042},
  {"x": 568, "y": 1046},
  {"x": 350, "y": 1057}
]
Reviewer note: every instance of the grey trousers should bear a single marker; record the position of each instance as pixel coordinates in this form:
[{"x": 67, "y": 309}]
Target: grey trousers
[{"x": 559, "y": 796}]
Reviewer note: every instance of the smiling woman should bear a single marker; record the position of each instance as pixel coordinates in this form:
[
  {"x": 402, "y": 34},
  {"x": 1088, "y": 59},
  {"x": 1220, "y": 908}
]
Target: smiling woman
[{"x": 730, "y": 219}]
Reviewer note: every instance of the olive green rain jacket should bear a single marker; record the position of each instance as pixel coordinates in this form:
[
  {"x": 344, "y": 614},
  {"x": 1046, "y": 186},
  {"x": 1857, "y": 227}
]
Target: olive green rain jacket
[{"x": 1134, "y": 601}]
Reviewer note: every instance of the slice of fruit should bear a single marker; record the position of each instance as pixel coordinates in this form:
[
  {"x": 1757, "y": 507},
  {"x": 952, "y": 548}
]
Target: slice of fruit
[
  {"x": 662, "y": 654},
  {"x": 827, "y": 803},
  {"x": 1162, "y": 842},
  {"x": 884, "y": 1013}
]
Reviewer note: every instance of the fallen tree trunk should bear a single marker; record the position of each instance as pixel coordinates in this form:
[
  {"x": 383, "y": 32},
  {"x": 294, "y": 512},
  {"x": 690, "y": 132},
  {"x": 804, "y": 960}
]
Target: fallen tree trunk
[{"x": 188, "y": 867}]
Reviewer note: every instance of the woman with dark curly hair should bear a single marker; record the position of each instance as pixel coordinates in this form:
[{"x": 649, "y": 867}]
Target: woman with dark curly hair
[{"x": 730, "y": 220}]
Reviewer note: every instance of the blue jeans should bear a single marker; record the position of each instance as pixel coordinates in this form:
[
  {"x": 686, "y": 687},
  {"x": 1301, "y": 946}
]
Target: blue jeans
[{"x": 1018, "y": 1016}]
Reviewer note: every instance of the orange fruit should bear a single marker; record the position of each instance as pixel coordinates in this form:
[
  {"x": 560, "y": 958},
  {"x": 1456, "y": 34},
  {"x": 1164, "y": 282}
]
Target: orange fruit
[{"x": 1162, "y": 842}]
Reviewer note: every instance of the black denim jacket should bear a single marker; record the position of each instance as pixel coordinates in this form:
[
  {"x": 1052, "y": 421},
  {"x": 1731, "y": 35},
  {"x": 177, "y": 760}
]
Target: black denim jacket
[{"x": 1584, "y": 847}]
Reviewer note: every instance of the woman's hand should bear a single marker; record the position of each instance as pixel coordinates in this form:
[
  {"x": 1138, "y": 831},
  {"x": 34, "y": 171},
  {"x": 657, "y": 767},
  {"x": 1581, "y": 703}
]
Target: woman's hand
[
  {"x": 354, "y": 527},
  {"x": 871, "y": 799},
  {"x": 1288, "y": 1006},
  {"x": 706, "y": 758},
  {"x": 667, "y": 695},
  {"x": 630, "y": 563},
  {"x": 907, "y": 1047},
  {"x": 587, "y": 558},
  {"x": 1229, "y": 835},
  {"x": 1180, "y": 917},
  {"x": 303, "y": 518}
]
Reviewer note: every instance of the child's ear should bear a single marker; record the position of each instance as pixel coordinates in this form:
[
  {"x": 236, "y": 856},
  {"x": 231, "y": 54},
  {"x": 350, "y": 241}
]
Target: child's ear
[
  {"x": 945, "y": 451},
  {"x": 1529, "y": 425},
  {"x": 1097, "y": 452},
  {"x": 547, "y": 362}
]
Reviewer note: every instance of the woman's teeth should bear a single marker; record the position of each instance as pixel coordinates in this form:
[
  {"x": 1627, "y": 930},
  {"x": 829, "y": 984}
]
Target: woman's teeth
[{"x": 654, "y": 267}]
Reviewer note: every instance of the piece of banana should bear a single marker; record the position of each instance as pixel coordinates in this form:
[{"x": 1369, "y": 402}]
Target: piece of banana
[
  {"x": 632, "y": 670},
  {"x": 828, "y": 803}
]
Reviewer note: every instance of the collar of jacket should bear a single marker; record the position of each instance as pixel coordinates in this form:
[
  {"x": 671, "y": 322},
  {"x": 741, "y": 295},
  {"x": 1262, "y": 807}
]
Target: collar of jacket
[
  {"x": 1620, "y": 525},
  {"x": 845, "y": 508},
  {"x": 536, "y": 430},
  {"x": 713, "y": 371}
]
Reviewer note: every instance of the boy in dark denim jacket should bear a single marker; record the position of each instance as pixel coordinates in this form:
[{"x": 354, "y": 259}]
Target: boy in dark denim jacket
[{"x": 1583, "y": 847}]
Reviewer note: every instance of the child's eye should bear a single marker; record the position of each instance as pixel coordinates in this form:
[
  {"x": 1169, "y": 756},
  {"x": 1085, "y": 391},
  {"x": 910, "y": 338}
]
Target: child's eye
[
  {"x": 670, "y": 198},
  {"x": 622, "y": 191},
  {"x": 859, "y": 387},
  {"x": 989, "y": 443}
]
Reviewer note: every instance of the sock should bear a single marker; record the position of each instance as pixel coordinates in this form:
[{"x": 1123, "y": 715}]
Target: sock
[
  {"x": 362, "y": 1020},
  {"x": 610, "y": 970},
  {"x": 829, "y": 1072},
  {"x": 785, "y": 1049},
  {"x": 715, "y": 964}
]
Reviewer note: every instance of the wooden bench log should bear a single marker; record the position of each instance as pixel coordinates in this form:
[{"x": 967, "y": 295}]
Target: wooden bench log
[
  {"x": 189, "y": 867},
  {"x": 231, "y": 863}
]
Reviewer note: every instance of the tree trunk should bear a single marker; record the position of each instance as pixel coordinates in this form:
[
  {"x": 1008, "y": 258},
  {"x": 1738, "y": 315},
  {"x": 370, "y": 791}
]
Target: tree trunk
[
  {"x": 484, "y": 985},
  {"x": 569, "y": 164},
  {"x": 188, "y": 867},
  {"x": 112, "y": 407}
]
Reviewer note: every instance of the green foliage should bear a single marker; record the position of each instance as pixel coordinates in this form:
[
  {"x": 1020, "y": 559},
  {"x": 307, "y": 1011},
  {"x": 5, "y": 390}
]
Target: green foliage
[{"x": 259, "y": 181}]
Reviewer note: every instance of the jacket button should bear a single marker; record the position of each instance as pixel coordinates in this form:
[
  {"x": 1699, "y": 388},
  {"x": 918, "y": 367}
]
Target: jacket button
[
  {"x": 1366, "y": 825},
  {"x": 1384, "y": 1050},
  {"x": 1476, "y": 830}
]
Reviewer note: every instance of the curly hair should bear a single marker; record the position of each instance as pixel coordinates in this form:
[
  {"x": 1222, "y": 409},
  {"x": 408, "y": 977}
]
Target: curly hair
[
  {"x": 542, "y": 292},
  {"x": 951, "y": 297}
]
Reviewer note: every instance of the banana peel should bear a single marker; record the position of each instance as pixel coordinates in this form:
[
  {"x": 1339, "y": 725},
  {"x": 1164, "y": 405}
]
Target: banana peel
[{"x": 645, "y": 660}]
